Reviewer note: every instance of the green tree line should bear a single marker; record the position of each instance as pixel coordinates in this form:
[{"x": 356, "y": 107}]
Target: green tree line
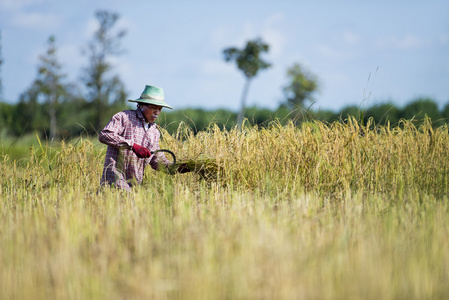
[
  {"x": 58, "y": 109},
  {"x": 29, "y": 117}
]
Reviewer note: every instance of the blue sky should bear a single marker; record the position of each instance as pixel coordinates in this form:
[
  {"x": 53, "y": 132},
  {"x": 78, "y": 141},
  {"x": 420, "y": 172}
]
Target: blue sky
[{"x": 363, "y": 52}]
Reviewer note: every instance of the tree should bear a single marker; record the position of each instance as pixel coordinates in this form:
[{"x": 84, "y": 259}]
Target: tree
[
  {"x": 28, "y": 115},
  {"x": 302, "y": 84},
  {"x": 418, "y": 109},
  {"x": 6, "y": 112},
  {"x": 49, "y": 83},
  {"x": 350, "y": 111},
  {"x": 104, "y": 89},
  {"x": 44, "y": 94},
  {"x": 445, "y": 113},
  {"x": 383, "y": 114},
  {"x": 249, "y": 62}
]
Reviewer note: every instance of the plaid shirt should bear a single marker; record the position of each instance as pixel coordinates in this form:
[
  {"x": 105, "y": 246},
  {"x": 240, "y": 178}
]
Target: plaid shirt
[{"x": 122, "y": 167}]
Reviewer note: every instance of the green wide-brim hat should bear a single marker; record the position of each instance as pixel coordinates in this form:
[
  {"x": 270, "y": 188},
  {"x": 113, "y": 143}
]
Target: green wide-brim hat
[{"x": 152, "y": 95}]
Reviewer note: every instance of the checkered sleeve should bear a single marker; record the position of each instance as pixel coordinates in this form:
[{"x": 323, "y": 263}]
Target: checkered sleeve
[{"x": 112, "y": 133}]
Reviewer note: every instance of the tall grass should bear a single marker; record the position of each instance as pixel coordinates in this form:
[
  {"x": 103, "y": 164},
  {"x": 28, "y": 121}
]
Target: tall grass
[
  {"x": 325, "y": 159},
  {"x": 327, "y": 211}
]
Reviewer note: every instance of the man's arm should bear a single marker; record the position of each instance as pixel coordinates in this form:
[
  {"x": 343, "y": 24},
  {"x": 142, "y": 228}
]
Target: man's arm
[{"x": 112, "y": 133}]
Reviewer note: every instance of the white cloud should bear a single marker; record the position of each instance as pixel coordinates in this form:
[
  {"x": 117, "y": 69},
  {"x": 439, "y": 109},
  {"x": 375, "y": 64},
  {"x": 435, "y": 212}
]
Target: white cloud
[
  {"x": 39, "y": 21},
  {"x": 276, "y": 39},
  {"x": 444, "y": 39},
  {"x": 274, "y": 18},
  {"x": 351, "y": 37},
  {"x": 70, "y": 55},
  {"x": 126, "y": 23},
  {"x": 20, "y": 15},
  {"x": 90, "y": 27},
  {"x": 219, "y": 36},
  {"x": 273, "y": 35},
  {"x": 329, "y": 52},
  {"x": 408, "y": 41},
  {"x": 17, "y": 4},
  {"x": 216, "y": 67},
  {"x": 238, "y": 34}
]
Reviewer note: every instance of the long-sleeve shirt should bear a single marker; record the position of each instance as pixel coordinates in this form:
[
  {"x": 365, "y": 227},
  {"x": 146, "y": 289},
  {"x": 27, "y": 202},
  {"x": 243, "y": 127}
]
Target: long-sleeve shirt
[{"x": 122, "y": 168}]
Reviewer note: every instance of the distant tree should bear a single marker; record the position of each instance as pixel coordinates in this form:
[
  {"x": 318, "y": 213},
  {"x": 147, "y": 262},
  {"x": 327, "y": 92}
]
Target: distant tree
[
  {"x": 72, "y": 124},
  {"x": 327, "y": 116},
  {"x": 350, "y": 111},
  {"x": 260, "y": 116},
  {"x": 103, "y": 88},
  {"x": 418, "y": 109},
  {"x": 248, "y": 61},
  {"x": 196, "y": 119},
  {"x": 282, "y": 113},
  {"x": 445, "y": 113},
  {"x": 6, "y": 113},
  {"x": 44, "y": 94},
  {"x": 383, "y": 114},
  {"x": 49, "y": 83},
  {"x": 28, "y": 115},
  {"x": 302, "y": 84}
]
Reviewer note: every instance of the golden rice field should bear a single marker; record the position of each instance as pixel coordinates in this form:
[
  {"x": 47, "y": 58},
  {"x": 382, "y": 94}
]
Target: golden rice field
[{"x": 325, "y": 211}]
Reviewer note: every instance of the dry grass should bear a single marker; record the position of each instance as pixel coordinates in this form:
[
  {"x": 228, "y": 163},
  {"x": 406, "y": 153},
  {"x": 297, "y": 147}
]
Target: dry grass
[{"x": 334, "y": 211}]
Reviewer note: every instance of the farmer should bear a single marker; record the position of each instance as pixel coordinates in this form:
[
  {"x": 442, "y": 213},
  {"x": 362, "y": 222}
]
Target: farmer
[{"x": 131, "y": 136}]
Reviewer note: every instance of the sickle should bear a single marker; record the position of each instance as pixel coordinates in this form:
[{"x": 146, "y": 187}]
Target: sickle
[{"x": 169, "y": 152}]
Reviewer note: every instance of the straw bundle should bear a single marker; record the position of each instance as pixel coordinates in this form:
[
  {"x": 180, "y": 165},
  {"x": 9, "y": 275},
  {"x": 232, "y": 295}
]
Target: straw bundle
[{"x": 206, "y": 168}]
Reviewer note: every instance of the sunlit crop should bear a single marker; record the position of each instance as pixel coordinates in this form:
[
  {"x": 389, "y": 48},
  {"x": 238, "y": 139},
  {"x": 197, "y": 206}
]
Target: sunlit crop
[{"x": 325, "y": 211}]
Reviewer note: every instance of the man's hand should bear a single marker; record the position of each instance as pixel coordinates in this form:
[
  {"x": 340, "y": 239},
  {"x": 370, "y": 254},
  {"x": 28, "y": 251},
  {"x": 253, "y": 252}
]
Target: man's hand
[
  {"x": 141, "y": 152},
  {"x": 183, "y": 169}
]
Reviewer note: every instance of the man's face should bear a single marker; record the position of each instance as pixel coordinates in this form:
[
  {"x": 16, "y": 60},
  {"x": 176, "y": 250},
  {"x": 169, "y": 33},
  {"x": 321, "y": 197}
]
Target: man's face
[{"x": 150, "y": 112}]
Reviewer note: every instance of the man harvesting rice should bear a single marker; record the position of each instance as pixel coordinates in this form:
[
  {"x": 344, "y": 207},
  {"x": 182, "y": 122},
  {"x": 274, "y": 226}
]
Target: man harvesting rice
[{"x": 132, "y": 136}]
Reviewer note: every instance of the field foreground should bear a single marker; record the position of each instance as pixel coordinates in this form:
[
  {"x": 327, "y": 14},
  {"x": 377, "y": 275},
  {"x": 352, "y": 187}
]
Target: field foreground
[{"x": 323, "y": 212}]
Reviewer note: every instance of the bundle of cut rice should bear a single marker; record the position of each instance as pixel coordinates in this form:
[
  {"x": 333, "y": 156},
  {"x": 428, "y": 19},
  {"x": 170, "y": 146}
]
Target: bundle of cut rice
[{"x": 206, "y": 168}]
